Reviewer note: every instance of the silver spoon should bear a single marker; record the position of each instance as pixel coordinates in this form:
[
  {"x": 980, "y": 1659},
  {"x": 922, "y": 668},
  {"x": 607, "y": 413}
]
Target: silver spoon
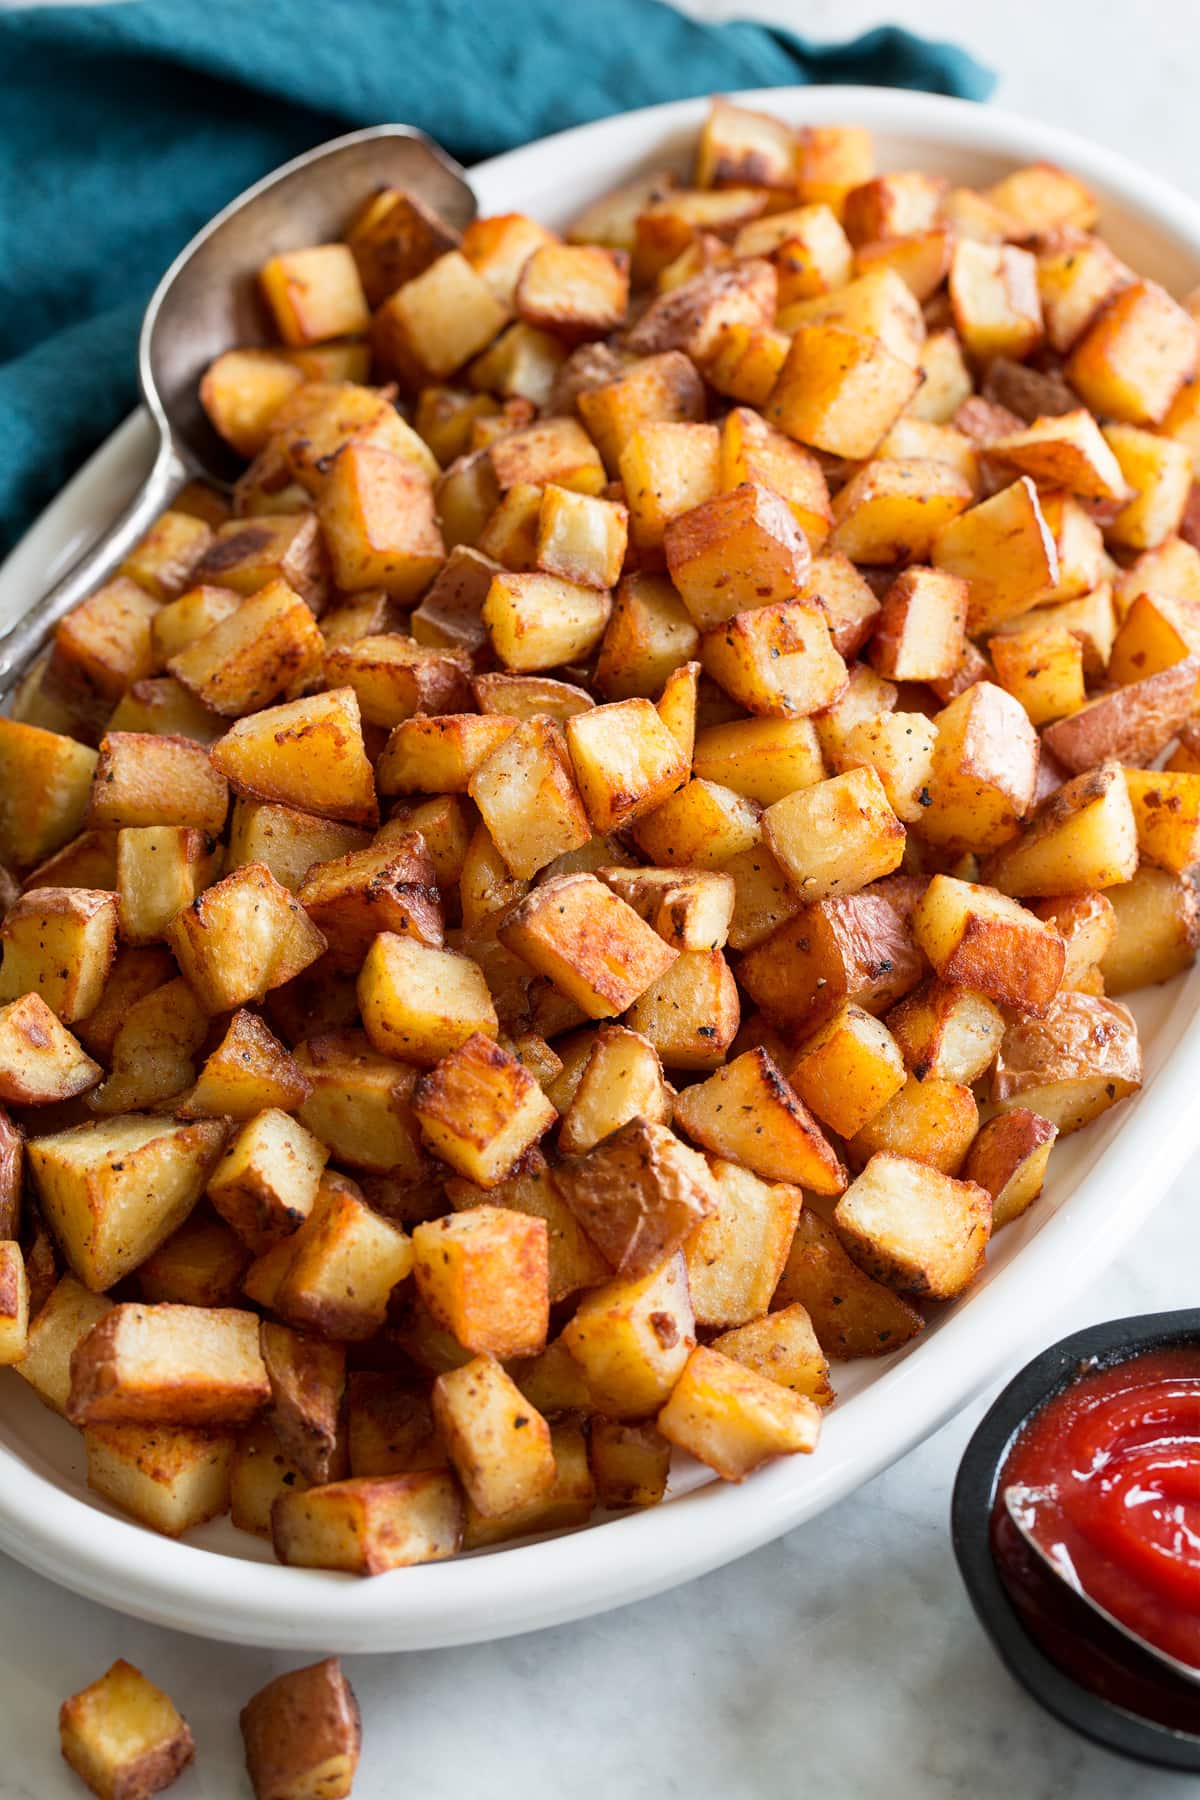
[
  {"x": 1018, "y": 1502},
  {"x": 207, "y": 302}
]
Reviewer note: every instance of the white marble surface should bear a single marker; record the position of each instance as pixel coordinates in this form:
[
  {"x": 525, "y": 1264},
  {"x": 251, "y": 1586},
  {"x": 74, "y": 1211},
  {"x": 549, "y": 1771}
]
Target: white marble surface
[{"x": 842, "y": 1661}]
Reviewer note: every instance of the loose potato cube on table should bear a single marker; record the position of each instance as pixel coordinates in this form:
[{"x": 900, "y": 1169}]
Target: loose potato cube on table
[
  {"x": 369, "y": 1524},
  {"x": 1131, "y": 724},
  {"x": 913, "y": 1227},
  {"x": 740, "y": 550},
  {"x": 14, "y": 1303},
  {"x": 855, "y": 948},
  {"x": 733, "y": 1418},
  {"x": 978, "y": 938},
  {"x": 848, "y": 1070},
  {"x": 123, "y": 1737},
  {"x": 1003, "y": 549},
  {"x": 499, "y": 1445},
  {"x": 1083, "y": 836},
  {"x": 480, "y": 1110},
  {"x": 241, "y": 938},
  {"x": 419, "y": 1003},
  {"x": 169, "y": 1477},
  {"x": 1009, "y": 1159},
  {"x": 527, "y": 796},
  {"x": 1133, "y": 359},
  {"x": 345, "y": 1260},
  {"x": 141, "y": 780},
  {"x": 40, "y": 1060},
  {"x": 201, "y": 1264},
  {"x": 984, "y": 772},
  {"x": 160, "y": 870},
  {"x": 303, "y": 1735},
  {"x": 747, "y": 1113},
  {"x": 632, "y": 1337},
  {"x": 483, "y": 1274},
  {"x": 266, "y": 1183},
  {"x": 392, "y": 886},
  {"x": 588, "y": 942},
  {"x": 839, "y": 391},
  {"x": 306, "y": 753},
  {"x": 1081, "y": 1057},
  {"x": 182, "y": 1365},
  {"x": 626, "y": 762},
  {"x": 783, "y": 1347}
]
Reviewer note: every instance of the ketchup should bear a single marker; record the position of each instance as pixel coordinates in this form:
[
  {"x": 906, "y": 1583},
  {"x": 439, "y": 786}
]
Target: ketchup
[{"x": 1112, "y": 1465}]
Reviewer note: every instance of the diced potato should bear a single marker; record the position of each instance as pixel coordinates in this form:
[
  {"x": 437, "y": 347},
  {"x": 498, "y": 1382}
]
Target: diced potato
[
  {"x": 241, "y": 938},
  {"x": 632, "y": 1337},
  {"x": 303, "y": 1731},
  {"x": 691, "y": 1013},
  {"x": 1068, "y": 451},
  {"x": 162, "y": 562},
  {"x": 899, "y": 747},
  {"x": 763, "y": 759},
  {"x": 448, "y": 616},
  {"x": 183, "y": 1365},
  {"x": 259, "y": 1473},
  {"x": 848, "y": 599},
  {"x": 1042, "y": 667},
  {"x": 538, "y": 621},
  {"x": 995, "y": 299},
  {"x": 306, "y": 753},
  {"x": 14, "y": 1303},
  {"x": 88, "y": 861},
  {"x": 734, "y": 1419},
  {"x": 201, "y": 1264},
  {"x": 689, "y": 909},
  {"x": 379, "y": 521},
  {"x": 839, "y": 391},
  {"x": 856, "y": 948},
  {"x": 123, "y": 1736},
  {"x": 666, "y": 468},
  {"x": 747, "y": 1113},
  {"x": 574, "y": 291},
  {"x": 441, "y": 753},
  {"x": 848, "y": 1070},
  {"x": 395, "y": 677},
  {"x": 163, "y": 707},
  {"x": 737, "y": 145},
  {"x": 1157, "y": 631},
  {"x": 735, "y": 1257},
  {"x": 1157, "y": 930},
  {"x": 141, "y": 779},
  {"x": 369, "y": 1524},
  {"x": 315, "y": 294},
  {"x": 1088, "y": 925},
  {"x": 626, "y": 762},
  {"x": 946, "y": 382},
  {"x": 528, "y": 799},
  {"x": 915, "y": 1228},
  {"x": 390, "y": 1427},
  {"x": 877, "y": 306},
  {"x": 929, "y": 1120},
  {"x": 700, "y": 826},
  {"x": 1132, "y": 361},
  {"x": 836, "y": 835},
  {"x": 1003, "y": 549},
  {"x": 648, "y": 636},
  {"x": 499, "y": 1445},
  {"x": 249, "y": 555},
  {"x": 980, "y": 939},
  {"x": 437, "y": 320},
  {"x": 949, "y": 1033},
  {"x": 269, "y": 649},
  {"x": 105, "y": 642},
  {"x": 919, "y": 633},
  {"x": 498, "y": 248},
  {"x": 59, "y": 943},
  {"x": 40, "y": 1060},
  {"x": 984, "y": 770},
  {"x": 778, "y": 660},
  {"x": 169, "y": 1477},
  {"x": 442, "y": 823},
  {"x": 738, "y": 551},
  {"x": 783, "y": 1347},
  {"x": 393, "y": 238},
  {"x": 588, "y": 942},
  {"x": 1166, "y": 809},
  {"x": 391, "y": 886},
  {"x": 266, "y": 1183},
  {"x": 629, "y": 1463},
  {"x": 160, "y": 870},
  {"x": 63, "y": 1321},
  {"x": 691, "y": 317},
  {"x": 359, "y": 1103},
  {"x": 288, "y": 841},
  {"x": 480, "y": 1110},
  {"x": 482, "y": 1273},
  {"x": 345, "y": 1260},
  {"x": 637, "y": 1194},
  {"x": 1070, "y": 1065},
  {"x": 851, "y": 1313},
  {"x": 1132, "y": 724},
  {"x": 532, "y": 1189},
  {"x": 1159, "y": 472},
  {"x": 894, "y": 508},
  {"x": 1009, "y": 1159},
  {"x": 1085, "y": 835}
]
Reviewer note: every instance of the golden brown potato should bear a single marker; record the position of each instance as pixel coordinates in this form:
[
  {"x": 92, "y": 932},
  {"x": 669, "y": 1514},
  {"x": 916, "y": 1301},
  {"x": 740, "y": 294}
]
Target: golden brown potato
[
  {"x": 736, "y": 1255},
  {"x": 306, "y": 753},
  {"x": 1132, "y": 724},
  {"x": 984, "y": 772},
  {"x": 338, "y": 1270},
  {"x": 123, "y": 1736},
  {"x": 747, "y": 1113},
  {"x": 778, "y": 660},
  {"x": 632, "y": 1337},
  {"x": 201, "y": 1264},
  {"x": 179, "y": 1365},
  {"x": 483, "y": 1274},
  {"x": 629, "y": 1463},
  {"x": 242, "y": 938},
  {"x": 1082, "y": 836},
  {"x": 857, "y": 948},
  {"x": 499, "y": 1445},
  {"x": 247, "y": 1073},
  {"x": 141, "y": 779},
  {"x": 848, "y": 1070},
  {"x": 1009, "y": 1159},
  {"x": 734, "y": 1419},
  {"x": 266, "y": 1183},
  {"x": 913, "y": 1227},
  {"x": 839, "y": 391},
  {"x": 360, "y": 1103},
  {"x": 588, "y": 942},
  {"x": 303, "y": 1731},
  {"x": 1070, "y": 1065},
  {"x": 836, "y": 836},
  {"x": 369, "y": 1524},
  {"x": 1157, "y": 930},
  {"x": 40, "y": 1060},
  {"x": 637, "y": 1194},
  {"x": 851, "y": 1313},
  {"x": 978, "y": 938},
  {"x": 1131, "y": 362},
  {"x": 63, "y": 1320},
  {"x": 307, "y": 1382},
  {"x": 947, "y": 1032},
  {"x": 169, "y": 1477},
  {"x": 59, "y": 943},
  {"x": 931, "y": 1121},
  {"x": 782, "y": 1346}
]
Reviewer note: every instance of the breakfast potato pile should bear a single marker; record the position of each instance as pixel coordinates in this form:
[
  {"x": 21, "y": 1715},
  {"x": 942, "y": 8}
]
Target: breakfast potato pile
[{"x": 592, "y": 885}]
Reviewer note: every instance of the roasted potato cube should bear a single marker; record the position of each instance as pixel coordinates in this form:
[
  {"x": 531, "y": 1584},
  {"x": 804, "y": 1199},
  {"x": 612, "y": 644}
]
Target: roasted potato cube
[
  {"x": 854, "y": 948},
  {"x": 1042, "y": 667},
  {"x": 393, "y": 238},
  {"x": 1159, "y": 472},
  {"x": 369, "y": 1524},
  {"x": 442, "y": 823},
  {"x": 12, "y": 1174},
  {"x": 588, "y": 942},
  {"x": 88, "y": 861},
  {"x": 700, "y": 826},
  {"x": 575, "y": 291},
  {"x": 498, "y": 248},
  {"x": 848, "y": 1070},
  {"x": 931, "y": 1121},
  {"x": 124, "y": 1737},
  {"x": 738, "y": 146},
  {"x": 483, "y": 1274},
  {"x": 390, "y": 1427},
  {"x": 978, "y": 938},
  {"x": 379, "y": 520},
  {"x": 259, "y": 1473},
  {"x": 419, "y": 1003},
  {"x": 1166, "y": 809},
  {"x": 1132, "y": 361},
  {"x": 691, "y": 1013},
  {"x": 995, "y": 300},
  {"x": 946, "y": 382},
  {"x": 915, "y": 1228},
  {"x": 622, "y": 1080},
  {"x": 1085, "y": 835},
  {"x": 269, "y": 649},
  {"x": 580, "y": 538},
  {"x": 754, "y": 452},
  {"x": 1009, "y": 1159},
  {"x": 1157, "y": 631},
  {"x": 152, "y": 1053},
  {"x": 666, "y": 468},
  {"x": 1067, "y": 451},
  {"x": 1003, "y": 549},
  {"x": 730, "y": 1417},
  {"x": 626, "y": 762},
  {"x": 1070, "y": 1065},
  {"x": 740, "y": 550},
  {"x": 480, "y": 1110},
  {"x": 1088, "y": 925},
  {"x": 162, "y": 562},
  {"x": 141, "y": 779},
  {"x": 449, "y": 612},
  {"x": 1132, "y": 724},
  {"x": 637, "y": 1194},
  {"x": 315, "y": 294},
  {"x": 62, "y": 1321},
  {"x": 550, "y": 451},
  {"x": 437, "y": 321},
  {"x": 160, "y": 870},
  {"x": 162, "y": 707},
  {"x": 241, "y": 938},
  {"x": 266, "y": 1183},
  {"x": 629, "y": 1463},
  {"x": 1157, "y": 930},
  {"x": 201, "y": 1264},
  {"x": 307, "y": 1380},
  {"x": 919, "y": 633},
  {"x": 839, "y": 391},
  {"x": 632, "y": 1338},
  {"x": 526, "y": 794},
  {"x": 655, "y": 389},
  {"x": 248, "y": 555},
  {"x": 306, "y": 753},
  {"x": 877, "y": 306},
  {"x": 735, "y": 1256},
  {"x": 745, "y": 361},
  {"x": 894, "y": 508},
  {"x": 40, "y": 1060},
  {"x": 303, "y": 1731},
  {"x": 747, "y": 1113},
  {"x": 949, "y": 1033},
  {"x": 851, "y": 1313},
  {"x": 441, "y": 753},
  {"x": 689, "y": 908},
  {"x": 169, "y": 1477},
  {"x": 538, "y": 621},
  {"x": 105, "y": 642},
  {"x": 899, "y": 747},
  {"x": 242, "y": 390},
  {"x": 487, "y": 887},
  {"x": 531, "y": 1189},
  {"x": 984, "y": 770},
  {"x": 783, "y": 1347},
  {"x": 691, "y": 317},
  {"x": 344, "y": 1264},
  {"x": 359, "y": 1103},
  {"x": 186, "y": 1365},
  {"x": 391, "y": 886},
  {"x": 777, "y": 660},
  {"x": 395, "y": 677},
  {"x": 838, "y": 834},
  {"x": 14, "y": 1303},
  {"x": 499, "y": 1445},
  {"x": 59, "y": 943},
  {"x": 649, "y": 635}
]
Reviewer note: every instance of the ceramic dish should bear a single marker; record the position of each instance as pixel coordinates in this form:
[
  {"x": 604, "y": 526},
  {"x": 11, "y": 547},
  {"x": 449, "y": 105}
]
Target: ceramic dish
[{"x": 222, "y": 1583}]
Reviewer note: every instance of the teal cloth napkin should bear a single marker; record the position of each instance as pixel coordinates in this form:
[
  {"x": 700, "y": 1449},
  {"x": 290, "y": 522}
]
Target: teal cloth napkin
[{"x": 123, "y": 128}]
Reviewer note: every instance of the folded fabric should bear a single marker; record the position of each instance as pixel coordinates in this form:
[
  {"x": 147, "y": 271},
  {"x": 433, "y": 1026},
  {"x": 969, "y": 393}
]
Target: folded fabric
[{"x": 124, "y": 127}]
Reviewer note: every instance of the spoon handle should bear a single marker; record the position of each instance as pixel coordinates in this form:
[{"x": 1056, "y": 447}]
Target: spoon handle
[{"x": 21, "y": 643}]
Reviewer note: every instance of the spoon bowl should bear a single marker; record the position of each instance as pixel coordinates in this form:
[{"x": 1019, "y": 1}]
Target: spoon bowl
[{"x": 208, "y": 302}]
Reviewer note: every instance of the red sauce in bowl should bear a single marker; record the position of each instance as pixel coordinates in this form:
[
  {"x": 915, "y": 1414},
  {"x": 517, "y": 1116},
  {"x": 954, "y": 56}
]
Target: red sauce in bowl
[{"x": 1113, "y": 1462}]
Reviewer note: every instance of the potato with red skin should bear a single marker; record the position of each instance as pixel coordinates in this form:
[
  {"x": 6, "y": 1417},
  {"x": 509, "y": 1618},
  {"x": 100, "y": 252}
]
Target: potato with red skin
[
  {"x": 303, "y": 1734},
  {"x": 1131, "y": 724},
  {"x": 1009, "y": 1159}
]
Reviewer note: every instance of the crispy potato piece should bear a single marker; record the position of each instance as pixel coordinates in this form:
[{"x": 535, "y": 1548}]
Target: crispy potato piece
[
  {"x": 1166, "y": 808},
  {"x": 855, "y": 948},
  {"x": 307, "y": 1381},
  {"x": 1072, "y": 1064},
  {"x": 691, "y": 317},
  {"x": 241, "y": 938},
  {"x": 581, "y": 538},
  {"x": 528, "y": 799},
  {"x": 632, "y": 1337},
  {"x": 984, "y": 775},
  {"x": 1088, "y": 925},
  {"x": 449, "y": 613},
  {"x": 532, "y": 1189},
  {"x": 247, "y": 1073},
  {"x": 105, "y": 642},
  {"x": 753, "y": 451},
  {"x": 169, "y": 1477},
  {"x": 1042, "y": 667},
  {"x": 1130, "y": 363},
  {"x": 538, "y": 621},
  {"x": 733, "y": 1418},
  {"x": 63, "y": 1320},
  {"x": 947, "y": 1032},
  {"x": 369, "y": 1524},
  {"x": 738, "y": 551},
  {"x": 480, "y": 1110},
  {"x": 667, "y": 467},
  {"x": 391, "y": 886},
  {"x": 995, "y": 300},
  {"x": 418, "y": 1003},
  {"x": 837, "y": 835},
  {"x": 123, "y": 1736},
  {"x": 894, "y": 507},
  {"x": 1133, "y": 724},
  {"x": 160, "y": 869},
  {"x": 663, "y": 389},
  {"x": 12, "y": 1174},
  {"x": 1067, "y": 451},
  {"x": 637, "y": 1194},
  {"x": 919, "y": 633},
  {"x": 689, "y": 908},
  {"x": 1003, "y": 549},
  {"x": 390, "y": 1429},
  {"x": 691, "y": 1013},
  {"x": 931, "y": 1121},
  {"x": 394, "y": 237},
  {"x": 59, "y": 943},
  {"x": 946, "y": 382},
  {"x": 621, "y": 1080},
  {"x": 1158, "y": 630},
  {"x": 649, "y": 635},
  {"x": 315, "y": 294},
  {"x": 183, "y": 1365},
  {"x": 258, "y": 1474},
  {"x": 345, "y": 1260},
  {"x": 201, "y": 1264},
  {"x": 1082, "y": 836},
  {"x": 437, "y": 321},
  {"x": 286, "y": 545},
  {"x": 735, "y": 1256},
  {"x": 568, "y": 1502},
  {"x": 779, "y": 660},
  {"x": 588, "y": 942},
  {"x": 1159, "y": 472},
  {"x": 153, "y": 1051},
  {"x": 977, "y": 938},
  {"x": 747, "y": 1113},
  {"x": 269, "y": 649},
  {"x": 575, "y": 291},
  {"x": 839, "y": 391},
  {"x": 1157, "y": 930},
  {"x": 288, "y": 841},
  {"x": 1009, "y": 1159},
  {"x": 141, "y": 779},
  {"x": 629, "y": 1463},
  {"x": 266, "y": 1183},
  {"x": 163, "y": 707},
  {"x": 360, "y": 1103},
  {"x": 395, "y": 677},
  {"x": 899, "y": 747},
  {"x": 14, "y": 1303},
  {"x": 483, "y": 1274},
  {"x": 783, "y": 1347},
  {"x": 877, "y": 306},
  {"x": 848, "y": 1070},
  {"x": 242, "y": 390},
  {"x": 303, "y": 1731},
  {"x": 915, "y": 1228},
  {"x": 700, "y": 826},
  {"x": 40, "y": 1060},
  {"x": 499, "y": 1445},
  {"x": 626, "y": 762},
  {"x": 851, "y": 1313},
  {"x": 88, "y": 861},
  {"x": 306, "y": 753},
  {"x": 440, "y": 753}
]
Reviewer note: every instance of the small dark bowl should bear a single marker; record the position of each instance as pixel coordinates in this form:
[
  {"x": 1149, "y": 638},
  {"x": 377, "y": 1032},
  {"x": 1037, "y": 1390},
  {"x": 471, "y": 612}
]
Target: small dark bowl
[{"x": 970, "y": 1523}]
